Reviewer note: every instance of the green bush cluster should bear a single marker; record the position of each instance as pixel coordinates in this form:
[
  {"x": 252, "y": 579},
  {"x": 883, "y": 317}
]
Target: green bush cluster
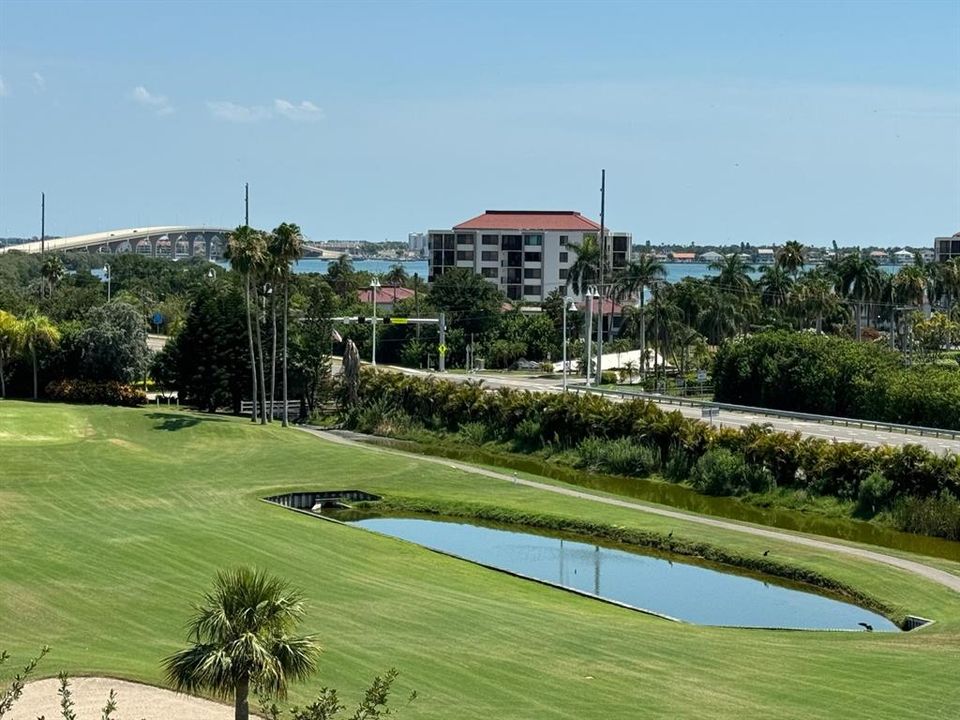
[
  {"x": 95, "y": 392},
  {"x": 834, "y": 376},
  {"x": 636, "y": 438}
]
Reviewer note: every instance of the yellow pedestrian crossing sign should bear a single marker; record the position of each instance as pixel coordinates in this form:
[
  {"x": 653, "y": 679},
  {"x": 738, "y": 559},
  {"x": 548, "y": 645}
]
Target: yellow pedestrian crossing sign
[{"x": 442, "y": 349}]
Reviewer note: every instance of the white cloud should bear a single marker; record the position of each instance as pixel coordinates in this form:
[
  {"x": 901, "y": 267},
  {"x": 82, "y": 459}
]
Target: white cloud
[
  {"x": 3, "y": 88},
  {"x": 305, "y": 111},
  {"x": 39, "y": 83},
  {"x": 232, "y": 112},
  {"x": 157, "y": 103}
]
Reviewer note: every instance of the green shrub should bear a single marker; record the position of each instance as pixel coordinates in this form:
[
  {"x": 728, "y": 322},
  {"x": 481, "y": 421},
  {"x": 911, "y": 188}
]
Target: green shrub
[
  {"x": 618, "y": 457},
  {"x": 94, "y": 392},
  {"x": 608, "y": 377},
  {"x": 723, "y": 472},
  {"x": 679, "y": 465},
  {"x": 473, "y": 433},
  {"x": 527, "y": 434},
  {"x": 875, "y": 493},
  {"x": 938, "y": 516}
]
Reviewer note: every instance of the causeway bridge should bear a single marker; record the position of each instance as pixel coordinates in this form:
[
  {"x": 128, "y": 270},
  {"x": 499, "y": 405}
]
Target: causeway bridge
[{"x": 173, "y": 241}]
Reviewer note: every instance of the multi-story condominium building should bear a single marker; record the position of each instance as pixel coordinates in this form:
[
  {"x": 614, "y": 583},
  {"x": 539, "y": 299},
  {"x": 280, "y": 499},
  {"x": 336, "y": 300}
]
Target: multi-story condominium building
[
  {"x": 947, "y": 247},
  {"x": 526, "y": 253}
]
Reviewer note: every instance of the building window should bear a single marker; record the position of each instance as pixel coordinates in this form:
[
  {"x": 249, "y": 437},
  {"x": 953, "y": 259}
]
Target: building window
[
  {"x": 448, "y": 257},
  {"x": 620, "y": 243},
  {"x": 493, "y": 272},
  {"x": 465, "y": 255},
  {"x": 564, "y": 256},
  {"x": 490, "y": 239},
  {"x": 533, "y": 240},
  {"x": 531, "y": 290},
  {"x": 465, "y": 238},
  {"x": 489, "y": 255},
  {"x": 449, "y": 242},
  {"x": 563, "y": 273},
  {"x": 511, "y": 242},
  {"x": 514, "y": 259},
  {"x": 513, "y": 292},
  {"x": 532, "y": 273},
  {"x": 564, "y": 239},
  {"x": 532, "y": 256}
]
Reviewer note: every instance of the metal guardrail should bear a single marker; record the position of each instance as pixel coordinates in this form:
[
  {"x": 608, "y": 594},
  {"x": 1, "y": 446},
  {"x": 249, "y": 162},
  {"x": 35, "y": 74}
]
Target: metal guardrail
[
  {"x": 771, "y": 412},
  {"x": 293, "y": 407}
]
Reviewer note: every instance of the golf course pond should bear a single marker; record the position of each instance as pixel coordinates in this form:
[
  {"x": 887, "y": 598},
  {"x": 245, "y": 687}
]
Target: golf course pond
[{"x": 679, "y": 590}]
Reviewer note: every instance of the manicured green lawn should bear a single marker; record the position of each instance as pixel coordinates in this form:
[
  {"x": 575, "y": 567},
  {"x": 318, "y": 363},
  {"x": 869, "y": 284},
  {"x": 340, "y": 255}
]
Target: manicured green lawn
[{"x": 112, "y": 521}]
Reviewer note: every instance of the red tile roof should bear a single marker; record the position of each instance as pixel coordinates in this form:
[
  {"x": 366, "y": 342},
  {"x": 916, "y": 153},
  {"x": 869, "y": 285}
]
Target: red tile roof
[
  {"x": 386, "y": 294},
  {"x": 529, "y": 220},
  {"x": 609, "y": 306}
]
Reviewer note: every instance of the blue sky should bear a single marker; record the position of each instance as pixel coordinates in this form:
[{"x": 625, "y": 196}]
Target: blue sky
[{"x": 716, "y": 122}]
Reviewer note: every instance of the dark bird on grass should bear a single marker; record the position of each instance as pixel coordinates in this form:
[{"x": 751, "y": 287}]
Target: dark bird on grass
[
  {"x": 766, "y": 552},
  {"x": 866, "y": 626},
  {"x": 670, "y": 534}
]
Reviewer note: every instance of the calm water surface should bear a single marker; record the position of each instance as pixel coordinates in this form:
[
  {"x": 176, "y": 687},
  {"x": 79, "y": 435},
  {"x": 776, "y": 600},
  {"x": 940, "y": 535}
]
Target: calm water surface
[{"x": 683, "y": 591}]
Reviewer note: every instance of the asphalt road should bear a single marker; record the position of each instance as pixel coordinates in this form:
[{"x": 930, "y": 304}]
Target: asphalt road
[{"x": 726, "y": 418}]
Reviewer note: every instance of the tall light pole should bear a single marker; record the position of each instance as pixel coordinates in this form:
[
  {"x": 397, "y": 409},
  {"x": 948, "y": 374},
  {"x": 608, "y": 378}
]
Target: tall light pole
[
  {"x": 106, "y": 271},
  {"x": 374, "y": 286},
  {"x": 246, "y": 204},
  {"x": 43, "y": 234},
  {"x": 566, "y": 302},
  {"x": 603, "y": 259},
  {"x": 591, "y": 294}
]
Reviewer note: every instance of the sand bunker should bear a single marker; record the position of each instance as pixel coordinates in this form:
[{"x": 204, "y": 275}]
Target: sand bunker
[{"x": 134, "y": 701}]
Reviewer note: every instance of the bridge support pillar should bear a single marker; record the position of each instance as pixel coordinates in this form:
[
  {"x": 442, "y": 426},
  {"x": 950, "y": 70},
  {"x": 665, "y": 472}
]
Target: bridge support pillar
[
  {"x": 190, "y": 247},
  {"x": 134, "y": 244},
  {"x": 153, "y": 246}
]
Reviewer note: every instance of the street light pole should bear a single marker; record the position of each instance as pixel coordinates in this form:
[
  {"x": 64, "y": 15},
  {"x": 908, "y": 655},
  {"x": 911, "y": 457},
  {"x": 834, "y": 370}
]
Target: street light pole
[
  {"x": 591, "y": 293},
  {"x": 374, "y": 286},
  {"x": 603, "y": 259},
  {"x": 106, "y": 271},
  {"x": 566, "y": 301}
]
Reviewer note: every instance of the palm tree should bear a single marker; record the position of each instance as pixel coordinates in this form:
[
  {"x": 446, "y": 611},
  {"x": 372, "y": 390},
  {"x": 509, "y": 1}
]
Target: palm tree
[
  {"x": 340, "y": 275},
  {"x": 948, "y": 281},
  {"x": 775, "y": 285},
  {"x": 859, "y": 280},
  {"x": 396, "y": 276},
  {"x": 585, "y": 270},
  {"x": 241, "y": 635},
  {"x": 245, "y": 252},
  {"x": 288, "y": 246},
  {"x": 732, "y": 275},
  {"x": 11, "y": 340},
  {"x": 633, "y": 281},
  {"x": 790, "y": 257},
  {"x": 36, "y": 331},
  {"x": 52, "y": 272},
  {"x": 721, "y": 316},
  {"x": 815, "y": 296}
]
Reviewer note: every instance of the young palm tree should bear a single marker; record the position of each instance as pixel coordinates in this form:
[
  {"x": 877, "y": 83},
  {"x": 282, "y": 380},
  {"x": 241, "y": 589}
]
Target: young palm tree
[
  {"x": 340, "y": 275},
  {"x": 815, "y": 297},
  {"x": 11, "y": 340},
  {"x": 288, "y": 247},
  {"x": 732, "y": 274},
  {"x": 52, "y": 272},
  {"x": 633, "y": 281},
  {"x": 245, "y": 251},
  {"x": 36, "y": 331},
  {"x": 790, "y": 258},
  {"x": 241, "y": 635}
]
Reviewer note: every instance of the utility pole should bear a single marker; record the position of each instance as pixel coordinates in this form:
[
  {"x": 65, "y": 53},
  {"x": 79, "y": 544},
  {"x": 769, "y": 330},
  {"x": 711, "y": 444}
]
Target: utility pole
[
  {"x": 246, "y": 204},
  {"x": 43, "y": 234},
  {"x": 603, "y": 259},
  {"x": 590, "y": 292}
]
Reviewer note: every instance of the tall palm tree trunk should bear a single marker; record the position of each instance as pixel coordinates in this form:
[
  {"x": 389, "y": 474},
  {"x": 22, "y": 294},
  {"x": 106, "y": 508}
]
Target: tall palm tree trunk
[
  {"x": 33, "y": 355},
  {"x": 273, "y": 355},
  {"x": 263, "y": 382},
  {"x": 286, "y": 315},
  {"x": 643, "y": 336},
  {"x": 253, "y": 356},
  {"x": 859, "y": 311},
  {"x": 241, "y": 701}
]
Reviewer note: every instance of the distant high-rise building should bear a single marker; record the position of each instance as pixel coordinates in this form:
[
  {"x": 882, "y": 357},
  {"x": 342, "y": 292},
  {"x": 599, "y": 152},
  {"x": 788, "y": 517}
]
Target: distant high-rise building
[
  {"x": 526, "y": 253},
  {"x": 417, "y": 243}
]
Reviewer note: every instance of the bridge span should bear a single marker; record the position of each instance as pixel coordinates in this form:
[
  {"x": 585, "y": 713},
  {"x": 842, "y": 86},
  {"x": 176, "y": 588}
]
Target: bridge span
[{"x": 161, "y": 241}]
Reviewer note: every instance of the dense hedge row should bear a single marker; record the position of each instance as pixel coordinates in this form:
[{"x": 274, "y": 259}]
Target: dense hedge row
[
  {"x": 721, "y": 461},
  {"x": 834, "y": 376},
  {"x": 108, "y": 392}
]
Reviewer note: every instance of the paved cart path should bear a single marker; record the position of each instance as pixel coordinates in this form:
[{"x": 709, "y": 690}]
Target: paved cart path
[{"x": 933, "y": 574}]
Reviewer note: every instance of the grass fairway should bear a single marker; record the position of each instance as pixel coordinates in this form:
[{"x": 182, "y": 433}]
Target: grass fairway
[{"x": 113, "y": 520}]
